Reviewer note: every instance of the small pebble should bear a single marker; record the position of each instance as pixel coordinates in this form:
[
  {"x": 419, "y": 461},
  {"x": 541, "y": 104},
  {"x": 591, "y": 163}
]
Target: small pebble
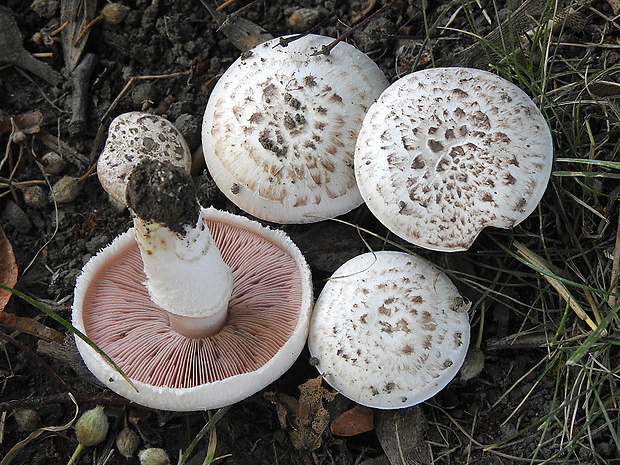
[
  {"x": 27, "y": 419},
  {"x": 65, "y": 190},
  {"x": 16, "y": 217},
  {"x": 34, "y": 196},
  {"x": 53, "y": 163},
  {"x": 115, "y": 13}
]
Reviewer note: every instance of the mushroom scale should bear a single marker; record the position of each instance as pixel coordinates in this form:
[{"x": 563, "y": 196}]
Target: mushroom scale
[
  {"x": 280, "y": 127},
  {"x": 389, "y": 330},
  {"x": 266, "y": 329},
  {"x": 446, "y": 152}
]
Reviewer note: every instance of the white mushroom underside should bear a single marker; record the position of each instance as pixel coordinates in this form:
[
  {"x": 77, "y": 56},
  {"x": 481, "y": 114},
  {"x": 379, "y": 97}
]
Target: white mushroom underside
[
  {"x": 280, "y": 127},
  {"x": 131, "y": 137},
  {"x": 265, "y": 332},
  {"x": 446, "y": 152},
  {"x": 389, "y": 330}
]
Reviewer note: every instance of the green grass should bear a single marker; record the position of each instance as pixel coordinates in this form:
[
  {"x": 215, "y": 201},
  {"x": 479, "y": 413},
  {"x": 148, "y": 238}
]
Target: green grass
[{"x": 573, "y": 234}]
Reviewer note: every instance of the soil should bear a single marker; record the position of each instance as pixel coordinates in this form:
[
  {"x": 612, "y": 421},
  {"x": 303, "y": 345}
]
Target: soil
[{"x": 179, "y": 43}]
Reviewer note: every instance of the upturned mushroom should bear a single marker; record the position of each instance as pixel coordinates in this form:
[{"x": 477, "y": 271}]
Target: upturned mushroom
[
  {"x": 280, "y": 127},
  {"x": 132, "y": 137},
  {"x": 389, "y": 330},
  {"x": 446, "y": 152},
  {"x": 198, "y": 307}
]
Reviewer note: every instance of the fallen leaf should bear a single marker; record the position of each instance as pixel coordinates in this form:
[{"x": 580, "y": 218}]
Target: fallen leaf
[
  {"x": 28, "y": 123},
  {"x": 8, "y": 277},
  {"x": 306, "y": 418},
  {"x": 77, "y": 14},
  {"x": 8, "y": 268},
  {"x": 354, "y": 421}
]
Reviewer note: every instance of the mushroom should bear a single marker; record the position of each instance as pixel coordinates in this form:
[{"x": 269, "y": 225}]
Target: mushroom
[
  {"x": 280, "y": 127},
  {"x": 157, "y": 300},
  {"x": 389, "y": 330},
  {"x": 132, "y": 137},
  {"x": 446, "y": 152}
]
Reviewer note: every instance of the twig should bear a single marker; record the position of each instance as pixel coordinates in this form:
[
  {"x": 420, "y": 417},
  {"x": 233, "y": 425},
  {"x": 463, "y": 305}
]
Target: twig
[
  {"x": 65, "y": 398},
  {"x": 540, "y": 264},
  {"x": 34, "y": 356},
  {"x": 80, "y": 83},
  {"x": 326, "y": 49}
]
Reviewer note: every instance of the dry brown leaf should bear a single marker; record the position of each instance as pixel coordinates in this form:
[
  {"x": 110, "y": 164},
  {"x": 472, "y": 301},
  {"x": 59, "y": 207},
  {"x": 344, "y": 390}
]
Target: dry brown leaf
[
  {"x": 8, "y": 268},
  {"x": 354, "y": 421},
  {"x": 307, "y": 417},
  {"x": 77, "y": 14},
  {"x": 28, "y": 123},
  {"x": 8, "y": 277}
]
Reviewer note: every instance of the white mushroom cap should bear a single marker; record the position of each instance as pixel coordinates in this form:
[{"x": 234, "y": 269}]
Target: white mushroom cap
[
  {"x": 280, "y": 127},
  {"x": 131, "y": 137},
  {"x": 389, "y": 330},
  {"x": 265, "y": 331},
  {"x": 446, "y": 152}
]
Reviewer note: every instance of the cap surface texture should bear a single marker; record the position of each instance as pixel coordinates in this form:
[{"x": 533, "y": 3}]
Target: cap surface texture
[
  {"x": 280, "y": 127},
  {"x": 265, "y": 331},
  {"x": 446, "y": 152},
  {"x": 389, "y": 330},
  {"x": 132, "y": 137}
]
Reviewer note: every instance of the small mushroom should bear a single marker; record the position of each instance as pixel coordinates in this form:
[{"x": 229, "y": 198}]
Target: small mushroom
[
  {"x": 389, "y": 330},
  {"x": 200, "y": 308},
  {"x": 446, "y": 152},
  {"x": 280, "y": 127},
  {"x": 132, "y": 137}
]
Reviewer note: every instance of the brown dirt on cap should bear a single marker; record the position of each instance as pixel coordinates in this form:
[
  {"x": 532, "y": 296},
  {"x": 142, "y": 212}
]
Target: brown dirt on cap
[{"x": 162, "y": 193}]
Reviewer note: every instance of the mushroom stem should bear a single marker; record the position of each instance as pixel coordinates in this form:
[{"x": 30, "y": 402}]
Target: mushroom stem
[{"x": 186, "y": 275}]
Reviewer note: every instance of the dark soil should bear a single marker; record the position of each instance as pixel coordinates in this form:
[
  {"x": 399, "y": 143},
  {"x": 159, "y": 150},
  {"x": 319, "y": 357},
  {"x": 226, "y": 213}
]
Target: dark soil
[{"x": 52, "y": 242}]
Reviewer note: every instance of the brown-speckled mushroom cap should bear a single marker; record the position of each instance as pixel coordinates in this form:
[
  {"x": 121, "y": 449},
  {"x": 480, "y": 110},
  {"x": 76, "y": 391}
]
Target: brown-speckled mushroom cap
[
  {"x": 446, "y": 152},
  {"x": 265, "y": 331},
  {"x": 132, "y": 137},
  {"x": 389, "y": 330},
  {"x": 280, "y": 127}
]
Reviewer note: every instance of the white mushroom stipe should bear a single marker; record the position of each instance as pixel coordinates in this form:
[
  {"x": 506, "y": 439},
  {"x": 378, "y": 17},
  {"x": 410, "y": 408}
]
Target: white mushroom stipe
[
  {"x": 446, "y": 152},
  {"x": 265, "y": 330},
  {"x": 389, "y": 330},
  {"x": 132, "y": 137},
  {"x": 176, "y": 267},
  {"x": 280, "y": 127}
]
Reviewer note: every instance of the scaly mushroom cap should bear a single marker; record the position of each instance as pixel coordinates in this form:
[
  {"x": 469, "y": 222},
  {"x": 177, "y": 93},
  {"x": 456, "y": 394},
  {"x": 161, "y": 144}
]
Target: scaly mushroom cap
[
  {"x": 446, "y": 152},
  {"x": 280, "y": 127},
  {"x": 264, "y": 333},
  {"x": 132, "y": 137},
  {"x": 389, "y": 330}
]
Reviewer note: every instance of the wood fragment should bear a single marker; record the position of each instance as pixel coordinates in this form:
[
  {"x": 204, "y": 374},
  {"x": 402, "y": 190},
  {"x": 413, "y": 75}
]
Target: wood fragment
[
  {"x": 80, "y": 83},
  {"x": 401, "y": 434},
  {"x": 77, "y": 14}
]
